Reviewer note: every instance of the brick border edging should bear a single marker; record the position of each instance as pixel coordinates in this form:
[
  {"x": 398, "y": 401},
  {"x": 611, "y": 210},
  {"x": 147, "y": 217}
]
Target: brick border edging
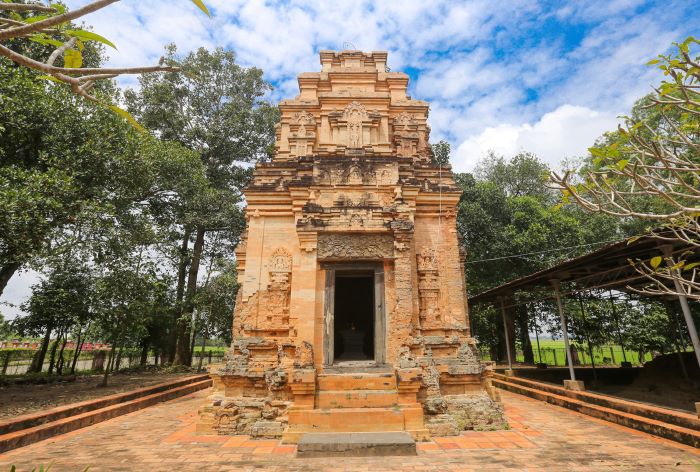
[
  {"x": 690, "y": 437},
  {"x": 35, "y": 419},
  {"x": 62, "y": 424},
  {"x": 647, "y": 410}
]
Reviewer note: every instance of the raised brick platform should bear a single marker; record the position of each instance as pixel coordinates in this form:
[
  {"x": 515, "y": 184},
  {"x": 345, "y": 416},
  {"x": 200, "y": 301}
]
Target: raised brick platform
[
  {"x": 28, "y": 429},
  {"x": 663, "y": 422}
]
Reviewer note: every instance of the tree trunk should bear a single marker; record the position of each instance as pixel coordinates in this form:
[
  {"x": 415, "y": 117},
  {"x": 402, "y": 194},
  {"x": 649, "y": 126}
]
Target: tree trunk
[
  {"x": 78, "y": 350},
  {"x": 201, "y": 354},
  {"x": 52, "y": 355},
  {"x": 6, "y": 273},
  {"x": 144, "y": 351},
  {"x": 179, "y": 295},
  {"x": 118, "y": 361},
  {"x": 109, "y": 362},
  {"x": 193, "y": 341},
  {"x": 588, "y": 337},
  {"x": 38, "y": 361},
  {"x": 528, "y": 355},
  {"x": 183, "y": 355},
  {"x": 61, "y": 361}
]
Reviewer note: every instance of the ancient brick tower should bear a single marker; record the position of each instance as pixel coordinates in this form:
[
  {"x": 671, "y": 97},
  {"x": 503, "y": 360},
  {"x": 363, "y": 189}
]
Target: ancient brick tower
[{"x": 352, "y": 312}]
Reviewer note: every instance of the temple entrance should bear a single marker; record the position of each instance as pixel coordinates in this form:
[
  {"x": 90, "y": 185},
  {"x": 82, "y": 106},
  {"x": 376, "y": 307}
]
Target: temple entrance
[
  {"x": 354, "y": 314},
  {"x": 353, "y": 329}
]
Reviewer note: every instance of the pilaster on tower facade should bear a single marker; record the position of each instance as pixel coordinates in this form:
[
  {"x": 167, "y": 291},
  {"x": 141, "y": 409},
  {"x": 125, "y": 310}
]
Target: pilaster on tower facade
[{"x": 352, "y": 314}]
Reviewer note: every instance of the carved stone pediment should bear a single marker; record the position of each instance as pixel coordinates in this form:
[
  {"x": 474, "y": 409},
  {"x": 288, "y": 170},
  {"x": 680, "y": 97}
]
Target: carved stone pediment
[
  {"x": 404, "y": 120},
  {"x": 304, "y": 118},
  {"x": 355, "y": 246}
]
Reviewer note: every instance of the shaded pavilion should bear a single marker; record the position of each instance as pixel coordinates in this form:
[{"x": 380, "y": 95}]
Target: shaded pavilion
[{"x": 606, "y": 268}]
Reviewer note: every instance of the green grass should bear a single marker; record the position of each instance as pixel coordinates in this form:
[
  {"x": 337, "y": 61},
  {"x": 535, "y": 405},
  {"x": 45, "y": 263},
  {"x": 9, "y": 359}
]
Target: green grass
[
  {"x": 553, "y": 353},
  {"x": 215, "y": 350}
]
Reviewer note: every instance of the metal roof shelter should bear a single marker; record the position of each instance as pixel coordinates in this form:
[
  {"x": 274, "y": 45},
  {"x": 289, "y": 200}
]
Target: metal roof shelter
[{"x": 605, "y": 268}]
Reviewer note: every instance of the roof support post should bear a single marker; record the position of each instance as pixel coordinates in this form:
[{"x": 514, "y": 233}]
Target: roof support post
[
  {"x": 505, "y": 331},
  {"x": 562, "y": 318},
  {"x": 668, "y": 252}
]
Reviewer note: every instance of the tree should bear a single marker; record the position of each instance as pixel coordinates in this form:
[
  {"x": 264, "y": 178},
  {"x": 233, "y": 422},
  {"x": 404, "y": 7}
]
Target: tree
[
  {"x": 57, "y": 304},
  {"x": 217, "y": 109},
  {"x": 441, "y": 153},
  {"x": 510, "y": 226},
  {"x": 51, "y": 26},
  {"x": 6, "y": 330},
  {"x": 522, "y": 175},
  {"x": 650, "y": 169},
  {"x": 65, "y": 167}
]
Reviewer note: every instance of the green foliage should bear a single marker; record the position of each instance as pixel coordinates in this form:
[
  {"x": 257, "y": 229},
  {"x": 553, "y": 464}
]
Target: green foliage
[
  {"x": 215, "y": 301},
  {"x": 509, "y": 223},
  {"x": 649, "y": 169},
  {"x": 441, "y": 153}
]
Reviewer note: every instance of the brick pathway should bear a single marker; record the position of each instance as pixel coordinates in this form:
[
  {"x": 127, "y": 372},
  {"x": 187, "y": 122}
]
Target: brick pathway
[{"x": 543, "y": 437}]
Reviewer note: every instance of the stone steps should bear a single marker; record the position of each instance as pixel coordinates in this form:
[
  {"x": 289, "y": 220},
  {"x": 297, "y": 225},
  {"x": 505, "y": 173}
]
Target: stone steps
[
  {"x": 355, "y": 420},
  {"x": 28, "y": 429},
  {"x": 681, "y": 434},
  {"x": 357, "y": 398},
  {"x": 334, "y": 382},
  {"x": 356, "y": 403},
  {"x": 356, "y": 444}
]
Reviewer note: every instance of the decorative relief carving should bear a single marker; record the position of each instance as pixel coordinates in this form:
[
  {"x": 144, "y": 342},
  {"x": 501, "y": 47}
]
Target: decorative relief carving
[
  {"x": 427, "y": 260},
  {"x": 428, "y": 288},
  {"x": 347, "y": 174},
  {"x": 404, "y": 120},
  {"x": 302, "y": 135},
  {"x": 276, "y": 299},
  {"x": 347, "y": 245},
  {"x": 304, "y": 118},
  {"x": 355, "y": 114}
]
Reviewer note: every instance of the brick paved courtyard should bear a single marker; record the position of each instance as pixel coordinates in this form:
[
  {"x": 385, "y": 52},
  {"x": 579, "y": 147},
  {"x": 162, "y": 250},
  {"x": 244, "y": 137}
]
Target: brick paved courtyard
[{"x": 542, "y": 437}]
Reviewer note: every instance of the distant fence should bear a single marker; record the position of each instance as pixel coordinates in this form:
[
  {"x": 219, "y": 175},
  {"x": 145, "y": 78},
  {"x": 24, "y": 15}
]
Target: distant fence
[
  {"x": 17, "y": 361},
  {"x": 603, "y": 355}
]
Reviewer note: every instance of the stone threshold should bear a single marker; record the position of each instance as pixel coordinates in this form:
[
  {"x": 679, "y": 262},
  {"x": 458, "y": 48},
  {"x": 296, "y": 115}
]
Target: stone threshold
[
  {"x": 662, "y": 422},
  {"x": 27, "y": 429},
  {"x": 390, "y": 443}
]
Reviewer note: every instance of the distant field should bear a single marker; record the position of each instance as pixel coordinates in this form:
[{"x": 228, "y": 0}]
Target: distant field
[
  {"x": 552, "y": 352},
  {"x": 215, "y": 350}
]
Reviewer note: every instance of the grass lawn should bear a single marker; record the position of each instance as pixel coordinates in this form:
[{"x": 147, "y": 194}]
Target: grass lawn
[{"x": 552, "y": 352}]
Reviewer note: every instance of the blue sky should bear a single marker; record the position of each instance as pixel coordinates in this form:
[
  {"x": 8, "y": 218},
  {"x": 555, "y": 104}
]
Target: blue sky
[{"x": 542, "y": 76}]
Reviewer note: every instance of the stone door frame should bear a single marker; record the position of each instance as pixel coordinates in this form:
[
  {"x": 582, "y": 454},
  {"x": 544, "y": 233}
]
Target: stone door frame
[{"x": 377, "y": 268}]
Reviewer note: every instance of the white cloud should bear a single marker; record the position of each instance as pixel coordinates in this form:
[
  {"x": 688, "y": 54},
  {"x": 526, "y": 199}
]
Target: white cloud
[
  {"x": 17, "y": 291},
  {"x": 563, "y": 133},
  {"x": 494, "y": 78}
]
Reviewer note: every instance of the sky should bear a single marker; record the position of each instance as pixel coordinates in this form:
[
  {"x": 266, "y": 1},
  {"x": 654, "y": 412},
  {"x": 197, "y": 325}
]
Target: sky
[{"x": 547, "y": 77}]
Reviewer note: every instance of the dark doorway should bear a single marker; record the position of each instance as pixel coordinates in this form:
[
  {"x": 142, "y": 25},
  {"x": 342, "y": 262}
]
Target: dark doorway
[{"x": 353, "y": 330}]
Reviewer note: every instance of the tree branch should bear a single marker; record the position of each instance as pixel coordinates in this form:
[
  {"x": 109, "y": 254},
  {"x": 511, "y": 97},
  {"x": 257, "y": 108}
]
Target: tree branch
[{"x": 54, "y": 20}]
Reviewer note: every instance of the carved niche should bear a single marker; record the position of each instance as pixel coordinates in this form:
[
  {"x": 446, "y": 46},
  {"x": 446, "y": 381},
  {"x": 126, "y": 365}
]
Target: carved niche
[
  {"x": 355, "y": 114},
  {"x": 302, "y": 134},
  {"x": 406, "y": 135},
  {"x": 428, "y": 288},
  {"x": 354, "y": 128},
  {"x": 276, "y": 306},
  {"x": 355, "y": 246}
]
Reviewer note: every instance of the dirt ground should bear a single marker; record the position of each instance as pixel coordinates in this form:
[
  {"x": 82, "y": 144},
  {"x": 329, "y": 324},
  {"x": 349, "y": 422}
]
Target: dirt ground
[
  {"x": 18, "y": 400},
  {"x": 662, "y": 382}
]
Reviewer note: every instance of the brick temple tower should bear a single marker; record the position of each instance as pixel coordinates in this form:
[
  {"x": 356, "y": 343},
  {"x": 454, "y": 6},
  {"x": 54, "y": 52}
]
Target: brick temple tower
[{"x": 352, "y": 313}]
